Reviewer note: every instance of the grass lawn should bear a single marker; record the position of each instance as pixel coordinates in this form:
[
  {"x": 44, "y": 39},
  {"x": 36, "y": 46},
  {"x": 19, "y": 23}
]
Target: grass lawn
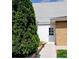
[{"x": 61, "y": 53}]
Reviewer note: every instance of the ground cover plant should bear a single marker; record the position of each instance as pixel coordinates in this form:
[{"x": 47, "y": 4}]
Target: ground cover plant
[{"x": 61, "y": 53}]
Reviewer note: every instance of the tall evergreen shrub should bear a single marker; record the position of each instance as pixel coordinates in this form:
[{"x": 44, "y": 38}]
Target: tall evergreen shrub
[{"x": 25, "y": 40}]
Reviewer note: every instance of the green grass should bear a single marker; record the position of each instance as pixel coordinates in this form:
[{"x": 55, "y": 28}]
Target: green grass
[{"x": 61, "y": 53}]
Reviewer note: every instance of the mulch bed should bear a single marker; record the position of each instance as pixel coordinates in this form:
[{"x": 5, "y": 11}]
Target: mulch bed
[{"x": 39, "y": 49}]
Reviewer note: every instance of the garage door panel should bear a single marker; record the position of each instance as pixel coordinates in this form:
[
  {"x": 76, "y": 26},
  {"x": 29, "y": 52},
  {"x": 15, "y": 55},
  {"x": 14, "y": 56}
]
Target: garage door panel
[{"x": 61, "y": 33}]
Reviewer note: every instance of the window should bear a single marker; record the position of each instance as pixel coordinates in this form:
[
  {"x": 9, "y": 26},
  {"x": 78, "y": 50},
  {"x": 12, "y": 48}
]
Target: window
[{"x": 51, "y": 31}]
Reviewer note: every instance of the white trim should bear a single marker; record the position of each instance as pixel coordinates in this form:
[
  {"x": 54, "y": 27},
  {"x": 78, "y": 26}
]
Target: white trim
[{"x": 61, "y": 47}]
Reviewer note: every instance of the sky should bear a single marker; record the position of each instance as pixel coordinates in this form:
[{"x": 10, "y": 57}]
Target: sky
[
  {"x": 48, "y": 10},
  {"x": 39, "y": 1}
]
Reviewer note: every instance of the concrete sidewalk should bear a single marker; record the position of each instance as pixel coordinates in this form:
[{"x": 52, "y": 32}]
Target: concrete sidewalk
[{"x": 49, "y": 51}]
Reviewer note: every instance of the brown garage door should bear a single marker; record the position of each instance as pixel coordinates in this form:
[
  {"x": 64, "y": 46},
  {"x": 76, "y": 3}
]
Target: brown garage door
[{"x": 61, "y": 32}]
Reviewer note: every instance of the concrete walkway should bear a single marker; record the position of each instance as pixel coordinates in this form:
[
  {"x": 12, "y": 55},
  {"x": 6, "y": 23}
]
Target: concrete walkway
[{"x": 49, "y": 51}]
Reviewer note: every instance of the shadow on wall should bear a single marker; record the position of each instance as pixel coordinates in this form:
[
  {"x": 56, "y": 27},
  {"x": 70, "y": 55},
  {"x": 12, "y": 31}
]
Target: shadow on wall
[{"x": 61, "y": 23}]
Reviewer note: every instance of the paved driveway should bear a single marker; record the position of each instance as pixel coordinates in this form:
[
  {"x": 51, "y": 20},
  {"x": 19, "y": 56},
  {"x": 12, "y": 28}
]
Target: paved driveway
[{"x": 49, "y": 51}]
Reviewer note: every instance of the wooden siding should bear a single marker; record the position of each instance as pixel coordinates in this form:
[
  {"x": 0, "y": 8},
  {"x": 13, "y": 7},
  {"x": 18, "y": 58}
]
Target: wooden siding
[{"x": 61, "y": 33}]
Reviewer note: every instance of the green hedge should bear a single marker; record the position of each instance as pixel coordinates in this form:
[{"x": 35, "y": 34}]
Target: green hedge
[
  {"x": 25, "y": 40},
  {"x": 62, "y": 53}
]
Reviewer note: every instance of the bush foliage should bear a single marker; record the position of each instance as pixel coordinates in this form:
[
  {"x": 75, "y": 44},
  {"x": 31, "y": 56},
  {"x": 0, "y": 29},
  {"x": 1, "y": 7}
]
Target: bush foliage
[
  {"x": 61, "y": 53},
  {"x": 24, "y": 30}
]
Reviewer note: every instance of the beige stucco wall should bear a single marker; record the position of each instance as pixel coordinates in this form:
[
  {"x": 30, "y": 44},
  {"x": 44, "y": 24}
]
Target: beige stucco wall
[{"x": 61, "y": 33}]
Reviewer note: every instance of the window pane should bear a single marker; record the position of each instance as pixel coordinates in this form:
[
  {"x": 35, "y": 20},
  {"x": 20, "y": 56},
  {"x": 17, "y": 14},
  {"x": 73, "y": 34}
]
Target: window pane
[{"x": 51, "y": 32}]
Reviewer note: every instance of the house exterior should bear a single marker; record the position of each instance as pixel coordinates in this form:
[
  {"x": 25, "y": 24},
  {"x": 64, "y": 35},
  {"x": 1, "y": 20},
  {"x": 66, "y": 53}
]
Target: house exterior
[
  {"x": 60, "y": 30},
  {"x": 51, "y": 19}
]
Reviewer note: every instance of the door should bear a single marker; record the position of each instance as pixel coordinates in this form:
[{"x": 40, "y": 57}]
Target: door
[{"x": 51, "y": 34}]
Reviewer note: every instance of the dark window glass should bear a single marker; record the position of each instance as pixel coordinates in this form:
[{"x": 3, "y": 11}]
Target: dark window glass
[{"x": 51, "y": 31}]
